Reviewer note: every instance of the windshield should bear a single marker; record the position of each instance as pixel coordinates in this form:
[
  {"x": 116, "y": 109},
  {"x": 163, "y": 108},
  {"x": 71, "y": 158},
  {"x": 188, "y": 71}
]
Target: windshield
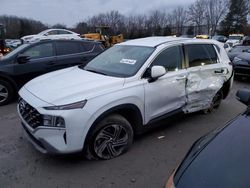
[
  {"x": 15, "y": 51},
  {"x": 217, "y": 37},
  {"x": 235, "y": 37},
  {"x": 120, "y": 60}
]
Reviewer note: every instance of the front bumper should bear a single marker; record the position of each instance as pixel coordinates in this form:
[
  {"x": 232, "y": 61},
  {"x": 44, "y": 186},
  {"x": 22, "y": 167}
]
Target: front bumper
[
  {"x": 54, "y": 140},
  {"x": 45, "y": 139}
]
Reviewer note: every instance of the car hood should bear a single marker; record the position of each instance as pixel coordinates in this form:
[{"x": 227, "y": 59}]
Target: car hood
[
  {"x": 245, "y": 56},
  {"x": 232, "y": 55},
  {"x": 72, "y": 85},
  {"x": 232, "y": 41}
]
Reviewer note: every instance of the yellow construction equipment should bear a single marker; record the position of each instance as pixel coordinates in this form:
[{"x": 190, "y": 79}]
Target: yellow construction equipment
[
  {"x": 102, "y": 35},
  {"x": 3, "y": 48}
]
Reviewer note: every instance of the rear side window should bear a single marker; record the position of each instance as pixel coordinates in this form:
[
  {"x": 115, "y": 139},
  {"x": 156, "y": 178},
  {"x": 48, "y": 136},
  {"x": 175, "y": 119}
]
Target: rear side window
[
  {"x": 62, "y": 32},
  {"x": 69, "y": 47},
  {"x": 201, "y": 54},
  {"x": 170, "y": 58}
]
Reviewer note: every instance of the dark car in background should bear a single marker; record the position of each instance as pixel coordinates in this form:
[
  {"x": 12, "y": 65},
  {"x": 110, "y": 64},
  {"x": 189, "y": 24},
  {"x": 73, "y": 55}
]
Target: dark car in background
[
  {"x": 31, "y": 60},
  {"x": 220, "y": 38},
  {"x": 241, "y": 64},
  {"x": 220, "y": 158},
  {"x": 246, "y": 40},
  {"x": 237, "y": 50}
]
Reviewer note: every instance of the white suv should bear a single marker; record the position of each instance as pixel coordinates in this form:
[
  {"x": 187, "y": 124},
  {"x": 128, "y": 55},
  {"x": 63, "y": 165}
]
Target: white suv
[{"x": 123, "y": 91}]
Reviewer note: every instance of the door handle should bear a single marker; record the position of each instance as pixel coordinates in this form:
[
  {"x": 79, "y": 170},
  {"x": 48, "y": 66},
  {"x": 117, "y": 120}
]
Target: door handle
[
  {"x": 181, "y": 78},
  {"x": 220, "y": 71}
]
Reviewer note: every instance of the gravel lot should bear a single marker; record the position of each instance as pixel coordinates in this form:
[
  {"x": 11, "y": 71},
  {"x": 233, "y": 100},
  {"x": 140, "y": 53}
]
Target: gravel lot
[{"x": 147, "y": 164}]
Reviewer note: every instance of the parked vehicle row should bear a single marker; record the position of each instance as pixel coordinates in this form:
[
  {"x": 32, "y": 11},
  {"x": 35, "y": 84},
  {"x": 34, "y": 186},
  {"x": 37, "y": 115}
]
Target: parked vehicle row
[
  {"x": 219, "y": 159},
  {"x": 98, "y": 108},
  {"x": 240, "y": 57},
  {"x": 33, "y": 59}
]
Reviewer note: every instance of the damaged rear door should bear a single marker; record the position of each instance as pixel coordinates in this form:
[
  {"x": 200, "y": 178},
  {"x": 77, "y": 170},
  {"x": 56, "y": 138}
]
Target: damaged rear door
[{"x": 206, "y": 75}]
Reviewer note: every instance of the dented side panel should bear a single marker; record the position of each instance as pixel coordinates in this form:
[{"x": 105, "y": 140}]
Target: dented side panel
[{"x": 203, "y": 83}]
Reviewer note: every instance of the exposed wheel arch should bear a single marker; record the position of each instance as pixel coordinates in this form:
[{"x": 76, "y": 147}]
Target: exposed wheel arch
[
  {"x": 129, "y": 111},
  {"x": 9, "y": 80},
  {"x": 226, "y": 86}
]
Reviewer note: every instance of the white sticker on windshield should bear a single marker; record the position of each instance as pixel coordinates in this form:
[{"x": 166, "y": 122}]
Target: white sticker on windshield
[{"x": 128, "y": 61}]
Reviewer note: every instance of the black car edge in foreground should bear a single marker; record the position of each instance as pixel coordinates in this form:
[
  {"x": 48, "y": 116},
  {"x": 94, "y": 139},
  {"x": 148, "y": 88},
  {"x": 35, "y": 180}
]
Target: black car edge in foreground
[{"x": 220, "y": 158}]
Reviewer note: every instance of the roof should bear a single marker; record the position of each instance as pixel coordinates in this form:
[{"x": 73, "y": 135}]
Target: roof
[
  {"x": 156, "y": 41},
  {"x": 152, "y": 41}
]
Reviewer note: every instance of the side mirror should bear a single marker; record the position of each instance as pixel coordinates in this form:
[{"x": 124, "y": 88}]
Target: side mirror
[
  {"x": 22, "y": 59},
  {"x": 157, "y": 71},
  {"x": 243, "y": 95}
]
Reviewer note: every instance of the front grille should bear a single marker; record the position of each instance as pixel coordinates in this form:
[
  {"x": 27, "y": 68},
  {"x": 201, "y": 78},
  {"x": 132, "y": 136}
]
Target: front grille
[
  {"x": 32, "y": 117},
  {"x": 242, "y": 70}
]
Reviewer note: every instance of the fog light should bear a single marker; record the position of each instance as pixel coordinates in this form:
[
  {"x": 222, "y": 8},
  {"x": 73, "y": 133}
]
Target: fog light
[{"x": 53, "y": 121}]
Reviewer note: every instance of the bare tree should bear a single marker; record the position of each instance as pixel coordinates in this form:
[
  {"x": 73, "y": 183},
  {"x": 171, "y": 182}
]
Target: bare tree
[
  {"x": 179, "y": 17},
  {"x": 197, "y": 14},
  {"x": 156, "y": 22},
  {"x": 215, "y": 10}
]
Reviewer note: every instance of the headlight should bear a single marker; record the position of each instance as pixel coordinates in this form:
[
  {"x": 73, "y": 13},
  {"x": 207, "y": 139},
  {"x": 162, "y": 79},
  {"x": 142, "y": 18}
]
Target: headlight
[
  {"x": 71, "y": 106},
  {"x": 236, "y": 59},
  {"x": 53, "y": 121}
]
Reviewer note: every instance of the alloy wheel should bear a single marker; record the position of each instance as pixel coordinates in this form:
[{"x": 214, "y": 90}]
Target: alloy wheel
[
  {"x": 111, "y": 141},
  {"x": 3, "y": 93}
]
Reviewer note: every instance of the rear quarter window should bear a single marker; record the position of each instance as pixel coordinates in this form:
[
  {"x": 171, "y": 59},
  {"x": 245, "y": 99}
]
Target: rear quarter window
[
  {"x": 201, "y": 54},
  {"x": 68, "y": 47}
]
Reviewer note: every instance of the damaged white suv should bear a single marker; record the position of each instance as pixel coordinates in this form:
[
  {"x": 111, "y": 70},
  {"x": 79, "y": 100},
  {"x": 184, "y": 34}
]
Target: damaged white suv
[{"x": 100, "y": 107}]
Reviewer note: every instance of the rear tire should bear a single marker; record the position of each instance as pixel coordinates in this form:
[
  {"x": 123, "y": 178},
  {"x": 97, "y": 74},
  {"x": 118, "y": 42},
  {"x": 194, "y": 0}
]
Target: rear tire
[
  {"x": 6, "y": 92},
  {"x": 110, "y": 138},
  {"x": 215, "y": 102}
]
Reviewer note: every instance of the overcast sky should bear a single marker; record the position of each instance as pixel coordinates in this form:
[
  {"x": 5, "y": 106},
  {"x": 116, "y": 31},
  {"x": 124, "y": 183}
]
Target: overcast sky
[{"x": 70, "y": 12}]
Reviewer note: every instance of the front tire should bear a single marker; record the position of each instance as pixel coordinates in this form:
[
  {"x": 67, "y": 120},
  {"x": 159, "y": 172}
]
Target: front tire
[
  {"x": 110, "y": 138},
  {"x": 6, "y": 92}
]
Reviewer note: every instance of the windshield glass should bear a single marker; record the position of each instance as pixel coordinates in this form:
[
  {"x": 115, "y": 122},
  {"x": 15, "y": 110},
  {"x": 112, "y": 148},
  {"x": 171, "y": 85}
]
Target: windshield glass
[
  {"x": 120, "y": 60},
  {"x": 235, "y": 37},
  {"x": 217, "y": 37},
  {"x": 15, "y": 51}
]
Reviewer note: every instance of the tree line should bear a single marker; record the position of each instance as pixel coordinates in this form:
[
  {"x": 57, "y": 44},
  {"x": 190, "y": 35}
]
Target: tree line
[{"x": 201, "y": 17}]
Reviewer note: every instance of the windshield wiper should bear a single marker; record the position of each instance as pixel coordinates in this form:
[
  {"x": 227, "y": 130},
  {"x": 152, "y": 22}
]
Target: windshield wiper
[{"x": 94, "y": 71}]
